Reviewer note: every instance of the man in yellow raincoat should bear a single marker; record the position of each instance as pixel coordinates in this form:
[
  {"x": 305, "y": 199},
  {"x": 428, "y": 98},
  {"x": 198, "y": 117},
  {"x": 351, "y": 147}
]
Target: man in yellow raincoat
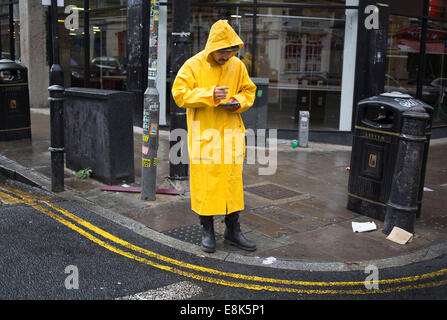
[{"x": 216, "y": 142}]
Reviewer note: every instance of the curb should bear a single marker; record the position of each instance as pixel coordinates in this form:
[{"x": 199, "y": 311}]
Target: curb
[{"x": 34, "y": 179}]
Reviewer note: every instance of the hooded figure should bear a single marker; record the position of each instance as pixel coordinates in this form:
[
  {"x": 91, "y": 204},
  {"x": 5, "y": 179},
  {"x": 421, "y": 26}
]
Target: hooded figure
[{"x": 216, "y": 133}]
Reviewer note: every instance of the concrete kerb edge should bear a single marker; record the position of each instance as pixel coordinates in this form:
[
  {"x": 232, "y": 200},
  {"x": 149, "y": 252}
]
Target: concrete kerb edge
[
  {"x": 15, "y": 171},
  {"x": 419, "y": 255}
]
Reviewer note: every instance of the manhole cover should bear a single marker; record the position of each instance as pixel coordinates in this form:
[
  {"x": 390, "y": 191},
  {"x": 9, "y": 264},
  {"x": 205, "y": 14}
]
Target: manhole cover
[
  {"x": 272, "y": 192},
  {"x": 191, "y": 234}
]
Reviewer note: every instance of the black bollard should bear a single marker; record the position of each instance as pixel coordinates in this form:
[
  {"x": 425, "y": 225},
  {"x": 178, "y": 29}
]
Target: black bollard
[
  {"x": 56, "y": 100},
  {"x": 402, "y": 206}
]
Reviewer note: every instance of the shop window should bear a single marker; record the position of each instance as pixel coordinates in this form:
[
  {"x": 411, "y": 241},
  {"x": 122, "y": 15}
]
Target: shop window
[
  {"x": 403, "y": 60},
  {"x": 71, "y": 54},
  {"x": 435, "y": 78},
  {"x": 402, "y": 54},
  {"x": 202, "y": 18},
  {"x": 6, "y": 35},
  {"x": 96, "y": 4},
  {"x": 300, "y": 51},
  {"x": 320, "y": 2},
  {"x": 107, "y": 55},
  {"x": 108, "y": 49}
]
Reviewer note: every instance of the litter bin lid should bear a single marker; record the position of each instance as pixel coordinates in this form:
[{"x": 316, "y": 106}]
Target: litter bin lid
[
  {"x": 396, "y": 94},
  {"x": 6, "y": 64}
]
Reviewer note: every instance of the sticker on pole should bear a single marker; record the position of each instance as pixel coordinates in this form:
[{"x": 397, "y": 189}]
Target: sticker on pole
[
  {"x": 153, "y": 128},
  {"x": 146, "y": 163},
  {"x": 145, "y": 150}
]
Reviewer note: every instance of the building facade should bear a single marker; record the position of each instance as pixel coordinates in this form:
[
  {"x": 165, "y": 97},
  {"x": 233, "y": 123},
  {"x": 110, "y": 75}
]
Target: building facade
[{"x": 321, "y": 55}]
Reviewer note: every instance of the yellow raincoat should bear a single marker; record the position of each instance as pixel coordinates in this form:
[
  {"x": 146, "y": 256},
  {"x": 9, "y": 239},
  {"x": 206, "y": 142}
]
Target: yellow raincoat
[{"x": 216, "y": 141}]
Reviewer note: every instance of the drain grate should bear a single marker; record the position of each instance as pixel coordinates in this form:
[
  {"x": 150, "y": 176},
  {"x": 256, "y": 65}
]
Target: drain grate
[
  {"x": 272, "y": 192},
  {"x": 191, "y": 234}
]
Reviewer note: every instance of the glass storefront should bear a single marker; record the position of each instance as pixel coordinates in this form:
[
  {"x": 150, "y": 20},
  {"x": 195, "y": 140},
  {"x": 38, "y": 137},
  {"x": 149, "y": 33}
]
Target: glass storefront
[
  {"x": 435, "y": 78},
  {"x": 72, "y": 49},
  {"x": 403, "y": 56},
  {"x": 4, "y": 32},
  {"x": 107, "y": 43},
  {"x": 297, "y": 45},
  {"x": 322, "y": 2},
  {"x": 108, "y": 49},
  {"x": 202, "y": 18},
  {"x": 301, "y": 52},
  {"x": 5, "y": 39},
  {"x": 107, "y": 3}
]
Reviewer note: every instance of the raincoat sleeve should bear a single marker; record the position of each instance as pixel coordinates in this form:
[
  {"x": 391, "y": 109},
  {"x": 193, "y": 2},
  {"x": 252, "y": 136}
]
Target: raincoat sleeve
[
  {"x": 247, "y": 91},
  {"x": 185, "y": 92}
]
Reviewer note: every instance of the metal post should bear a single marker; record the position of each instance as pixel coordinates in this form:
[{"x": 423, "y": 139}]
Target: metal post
[
  {"x": 402, "y": 206},
  {"x": 151, "y": 113},
  {"x": 303, "y": 128},
  {"x": 56, "y": 99},
  {"x": 180, "y": 53}
]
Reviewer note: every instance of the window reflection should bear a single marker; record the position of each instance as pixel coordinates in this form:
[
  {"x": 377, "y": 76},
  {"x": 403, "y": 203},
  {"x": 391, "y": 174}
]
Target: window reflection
[
  {"x": 106, "y": 3},
  {"x": 108, "y": 49},
  {"x": 300, "y": 51},
  {"x": 403, "y": 59},
  {"x": 5, "y": 33},
  {"x": 202, "y": 18},
  {"x": 435, "y": 79},
  {"x": 402, "y": 55}
]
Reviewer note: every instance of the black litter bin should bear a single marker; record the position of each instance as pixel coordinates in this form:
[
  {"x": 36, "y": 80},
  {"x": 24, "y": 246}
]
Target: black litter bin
[
  {"x": 389, "y": 155},
  {"x": 15, "y": 119},
  {"x": 256, "y": 117}
]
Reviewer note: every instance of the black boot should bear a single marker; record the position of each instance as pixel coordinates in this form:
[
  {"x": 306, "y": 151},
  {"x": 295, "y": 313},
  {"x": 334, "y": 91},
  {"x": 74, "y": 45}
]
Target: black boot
[
  {"x": 208, "y": 238},
  {"x": 233, "y": 234}
]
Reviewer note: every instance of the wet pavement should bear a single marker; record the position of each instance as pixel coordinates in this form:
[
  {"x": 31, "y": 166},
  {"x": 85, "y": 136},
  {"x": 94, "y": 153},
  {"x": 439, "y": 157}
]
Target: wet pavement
[{"x": 297, "y": 213}]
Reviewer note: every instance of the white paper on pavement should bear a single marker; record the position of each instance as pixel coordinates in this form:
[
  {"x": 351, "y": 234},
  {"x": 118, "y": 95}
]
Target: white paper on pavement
[{"x": 363, "y": 226}]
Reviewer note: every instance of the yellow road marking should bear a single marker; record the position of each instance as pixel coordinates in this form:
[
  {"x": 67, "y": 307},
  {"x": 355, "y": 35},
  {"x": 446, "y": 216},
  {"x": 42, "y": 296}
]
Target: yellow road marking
[{"x": 32, "y": 201}]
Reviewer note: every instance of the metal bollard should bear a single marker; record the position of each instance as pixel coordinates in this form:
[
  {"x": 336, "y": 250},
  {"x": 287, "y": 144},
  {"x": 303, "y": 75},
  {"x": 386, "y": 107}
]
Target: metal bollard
[
  {"x": 402, "y": 206},
  {"x": 303, "y": 128},
  {"x": 56, "y": 100}
]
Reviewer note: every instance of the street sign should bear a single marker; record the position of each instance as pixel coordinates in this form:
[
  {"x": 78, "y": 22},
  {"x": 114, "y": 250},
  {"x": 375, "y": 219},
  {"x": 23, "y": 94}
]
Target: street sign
[{"x": 60, "y": 3}]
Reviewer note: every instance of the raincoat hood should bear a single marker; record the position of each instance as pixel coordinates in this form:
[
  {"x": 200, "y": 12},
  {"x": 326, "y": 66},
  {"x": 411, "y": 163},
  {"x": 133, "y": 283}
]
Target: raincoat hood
[{"x": 221, "y": 36}]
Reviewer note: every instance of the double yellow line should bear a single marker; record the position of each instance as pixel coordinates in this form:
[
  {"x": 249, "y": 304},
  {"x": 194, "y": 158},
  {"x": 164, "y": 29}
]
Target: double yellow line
[{"x": 14, "y": 196}]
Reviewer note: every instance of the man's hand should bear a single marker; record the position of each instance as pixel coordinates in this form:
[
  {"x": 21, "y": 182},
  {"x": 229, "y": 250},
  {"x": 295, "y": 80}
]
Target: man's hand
[
  {"x": 234, "y": 107},
  {"x": 220, "y": 93}
]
